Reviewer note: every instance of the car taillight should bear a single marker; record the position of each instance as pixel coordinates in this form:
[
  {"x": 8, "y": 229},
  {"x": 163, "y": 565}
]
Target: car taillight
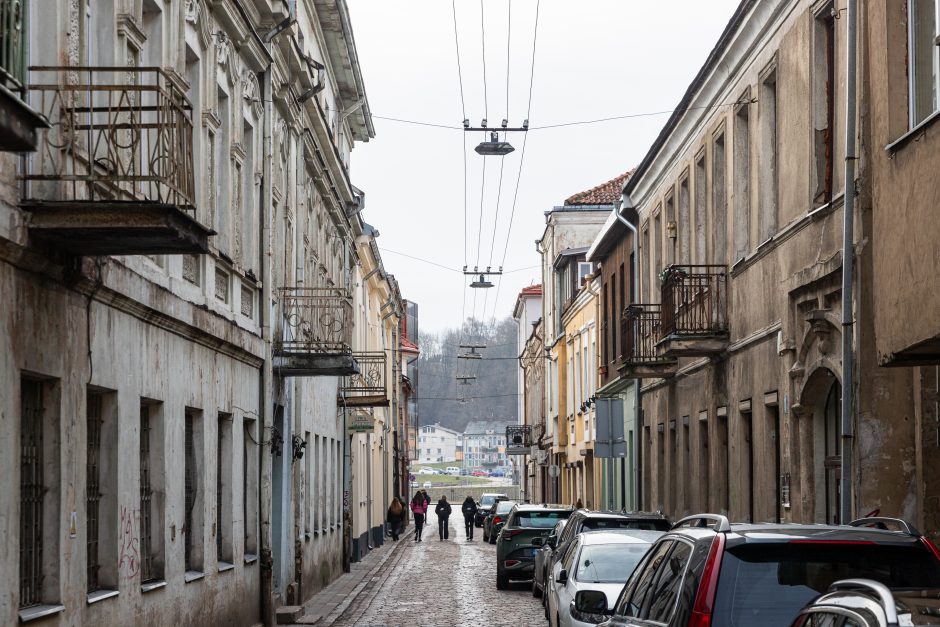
[
  {"x": 705, "y": 599},
  {"x": 497, "y": 520},
  {"x": 509, "y": 563},
  {"x": 508, "y": 533},
  {"x": 930, "y": 545}
]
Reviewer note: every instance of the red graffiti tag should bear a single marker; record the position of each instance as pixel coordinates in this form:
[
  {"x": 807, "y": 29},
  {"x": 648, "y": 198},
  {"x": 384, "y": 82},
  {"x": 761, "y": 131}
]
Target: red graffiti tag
[{"x": 129, "y": 560}]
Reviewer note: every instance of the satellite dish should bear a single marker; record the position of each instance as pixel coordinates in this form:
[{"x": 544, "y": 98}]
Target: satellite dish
[{"x": 554, "y": 470}]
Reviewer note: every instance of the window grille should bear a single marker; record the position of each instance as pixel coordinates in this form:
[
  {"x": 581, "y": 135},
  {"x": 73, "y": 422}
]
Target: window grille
[
  {"x": 218, "y": 490},
  {"x": 248, "y": 522},
  {"x": 31, "y": 489},
  {"x": 190, "y": 490},
  {"x": 146, "y": 499},
  {"x": 93, "y": 488}
]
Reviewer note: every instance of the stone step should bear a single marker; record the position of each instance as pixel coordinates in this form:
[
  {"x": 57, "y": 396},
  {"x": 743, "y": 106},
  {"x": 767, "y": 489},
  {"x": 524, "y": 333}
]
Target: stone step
[{"x": 289, "y": 614}]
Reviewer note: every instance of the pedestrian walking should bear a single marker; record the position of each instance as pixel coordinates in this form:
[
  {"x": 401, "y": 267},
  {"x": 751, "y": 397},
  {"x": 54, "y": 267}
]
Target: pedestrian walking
[
  {"x": 469, "y": 509},
  {"x": 443, "y": 513},
  {"x": 395, "y": 514},
  {"x": 427, "y": 499},
  {"x": 420, "y": 508}
]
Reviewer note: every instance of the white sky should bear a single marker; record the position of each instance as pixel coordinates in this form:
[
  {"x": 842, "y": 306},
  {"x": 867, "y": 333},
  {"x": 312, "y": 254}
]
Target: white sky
[{"x": 594, "y": 59}]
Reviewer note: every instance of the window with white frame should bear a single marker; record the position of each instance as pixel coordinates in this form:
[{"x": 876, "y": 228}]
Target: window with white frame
[
  {"x": 584, "y": 269},
  {"x": 924, "y": 58}
]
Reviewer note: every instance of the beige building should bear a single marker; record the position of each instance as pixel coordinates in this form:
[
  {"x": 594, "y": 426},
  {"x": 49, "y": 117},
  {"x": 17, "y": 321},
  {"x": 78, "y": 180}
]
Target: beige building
[{"x": 736, "y": 329}]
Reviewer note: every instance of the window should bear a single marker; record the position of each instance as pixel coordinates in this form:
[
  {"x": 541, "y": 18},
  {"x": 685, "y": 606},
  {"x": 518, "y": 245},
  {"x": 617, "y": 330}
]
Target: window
[
  {"x": 671, "y": 229},
  {"x": 924, "y": 63},
  {"x": 193, "y": 492},
  {"x": 719, "y": 201},
  {"x": 824, "y": 94},
  {"x": 742, "y": 179},
  {"x": 151, "y": 492},
  {"x": 684, "y": 227},
  {"x": 34, "y": 489},
  {"x": 701, "y": 207},
  {"x": 584, "y": 269},
  {"x": 638, "y": 586},
  {"x": 223, "y": 491},
  {"x": 101, "y": 491},
  {"x": 767, "y": 107},
  {"x": 664, "y": 594},
  {"x": 657, "y": 252}
]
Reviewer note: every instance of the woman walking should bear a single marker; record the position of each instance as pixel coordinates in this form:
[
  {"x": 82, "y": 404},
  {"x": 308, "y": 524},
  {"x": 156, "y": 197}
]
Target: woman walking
[
  {"x": 396, "y": 512},
  {"x": 419, "y": 507},
  {"x": 469, "y": 509},
  {"x": 443, "y": 513}
]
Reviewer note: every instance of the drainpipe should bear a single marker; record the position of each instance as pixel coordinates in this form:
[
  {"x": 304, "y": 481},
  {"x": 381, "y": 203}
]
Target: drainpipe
[
  {"x": 848, "y": 269},
  {"x": 265, "y": 466},
  {"x": 624, "y": 203}
]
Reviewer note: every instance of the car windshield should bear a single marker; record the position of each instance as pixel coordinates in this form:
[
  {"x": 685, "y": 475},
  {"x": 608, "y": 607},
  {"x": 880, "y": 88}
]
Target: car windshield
[
  {"x": 488, "y": 499},
  {"x": 609, "y": 563},
  {"x": 503, "y": 507},
  {"x": 540, "y": 520},
  {"x": 768, "y": 584},
  {"x": 591, "y": 524}
]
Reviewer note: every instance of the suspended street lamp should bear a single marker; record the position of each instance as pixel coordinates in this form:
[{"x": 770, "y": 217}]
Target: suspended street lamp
[
  {"x": 481, "y": 281},
  {"x": 494, "y": 147}
]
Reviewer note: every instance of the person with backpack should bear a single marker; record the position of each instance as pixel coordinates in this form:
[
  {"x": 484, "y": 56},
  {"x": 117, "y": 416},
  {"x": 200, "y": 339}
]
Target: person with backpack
[
  {"x": 420, "y": 508},
  {"x": 469, "y": 509},
  {"x": 443, "y": 513},
  {"x": 395, "y": 514}
]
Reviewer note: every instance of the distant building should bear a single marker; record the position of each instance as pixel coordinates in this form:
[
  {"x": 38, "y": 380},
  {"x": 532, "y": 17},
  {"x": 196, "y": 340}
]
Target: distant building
[
  {"x": 484, "y": 444},
  {"x": 438, "y": 444}
]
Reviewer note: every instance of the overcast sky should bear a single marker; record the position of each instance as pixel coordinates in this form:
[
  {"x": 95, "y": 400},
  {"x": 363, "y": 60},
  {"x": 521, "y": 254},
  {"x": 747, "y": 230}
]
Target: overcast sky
[{"x": 593, "y": 59}]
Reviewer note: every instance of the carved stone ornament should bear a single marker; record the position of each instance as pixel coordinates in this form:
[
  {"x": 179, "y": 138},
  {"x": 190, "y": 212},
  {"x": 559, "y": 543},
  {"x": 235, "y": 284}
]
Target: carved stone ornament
[
  {"x": 193, "y": 11},
  {"x": 223, "y": 49}
]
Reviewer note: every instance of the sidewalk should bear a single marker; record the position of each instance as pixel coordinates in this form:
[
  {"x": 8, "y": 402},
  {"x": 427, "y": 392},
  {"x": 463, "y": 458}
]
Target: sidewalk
[{"x": 324, "y": 607}]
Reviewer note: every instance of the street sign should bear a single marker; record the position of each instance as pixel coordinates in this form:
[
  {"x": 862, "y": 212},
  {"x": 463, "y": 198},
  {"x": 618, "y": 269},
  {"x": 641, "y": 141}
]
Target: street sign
[
  {"x": 609, "y": 440},
  {"x": 360, "y": 423},
  {"x": 554, "y": 470},
  {"x": 411, "y": 477}
]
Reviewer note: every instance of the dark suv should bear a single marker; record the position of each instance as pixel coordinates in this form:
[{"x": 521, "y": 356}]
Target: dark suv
[
  {"x": 708, "y": 572},
  {"x": 515, "y": 549},
  {"x": 587, "y": 520}
]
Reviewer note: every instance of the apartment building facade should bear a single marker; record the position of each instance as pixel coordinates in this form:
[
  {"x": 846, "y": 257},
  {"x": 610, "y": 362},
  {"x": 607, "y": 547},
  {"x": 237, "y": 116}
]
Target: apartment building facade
[
  {"x": 180, "y": 252},
  {"x": 527, "y": 312}
]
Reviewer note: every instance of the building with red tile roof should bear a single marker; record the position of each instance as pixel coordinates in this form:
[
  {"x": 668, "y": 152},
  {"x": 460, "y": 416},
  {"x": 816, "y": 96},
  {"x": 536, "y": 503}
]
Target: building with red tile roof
[{"x": 604, "y": 194}]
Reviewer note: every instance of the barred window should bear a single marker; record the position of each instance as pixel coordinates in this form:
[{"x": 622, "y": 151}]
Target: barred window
[
  {"x": 146, "y": 499},
  {"x": 223, "y": 490},
  {"x": 193, "y": 501},
  {"x": 31, "y": 493},
  {"x": 93, "y": 488}
]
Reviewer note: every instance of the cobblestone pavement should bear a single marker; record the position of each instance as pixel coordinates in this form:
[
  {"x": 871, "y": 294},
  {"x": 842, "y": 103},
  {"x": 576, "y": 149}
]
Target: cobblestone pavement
[{"x": 442, "y": 584}]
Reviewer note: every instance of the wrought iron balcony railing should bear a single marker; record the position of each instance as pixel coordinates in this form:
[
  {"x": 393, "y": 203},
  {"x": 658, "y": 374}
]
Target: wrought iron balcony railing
[
  {"x": 367, "y": 388},
  {"x": 118, "y": 134},
  {"x": 694, "y": 300},
  {"x": 519, "y": 438},
  {"x": 13, "y": 45},
  {"x": 316, "y": 320},
  {"x": 640, "y": 330}
]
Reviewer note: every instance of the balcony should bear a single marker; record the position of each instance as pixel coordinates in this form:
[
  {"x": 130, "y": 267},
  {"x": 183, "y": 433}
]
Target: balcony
[
  {"x": 518, "y": 439},
  {"x": 694, "y": 311},
  {"x": 641, "y": 329},
  {"x": 367, "y": 388},
  {"x": 114, "y": 173},
  {"x": 18, "y": 121},
  {"x": 315, "y": 334}
]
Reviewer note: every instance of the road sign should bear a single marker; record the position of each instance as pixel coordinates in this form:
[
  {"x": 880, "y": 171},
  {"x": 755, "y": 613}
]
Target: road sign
[{"x": 554, "y": 470}]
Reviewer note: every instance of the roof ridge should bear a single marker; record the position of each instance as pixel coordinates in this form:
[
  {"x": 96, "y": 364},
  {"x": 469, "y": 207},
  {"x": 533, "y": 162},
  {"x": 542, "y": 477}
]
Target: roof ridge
[{"x": 606, "y": 193}]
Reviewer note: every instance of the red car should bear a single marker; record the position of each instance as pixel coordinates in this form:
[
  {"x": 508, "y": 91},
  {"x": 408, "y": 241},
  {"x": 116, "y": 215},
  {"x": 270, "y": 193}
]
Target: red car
[{"x": 479, "y": 473}]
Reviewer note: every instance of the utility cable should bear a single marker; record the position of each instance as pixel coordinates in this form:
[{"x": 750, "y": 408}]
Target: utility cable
[{"x": 486, "y": 106}]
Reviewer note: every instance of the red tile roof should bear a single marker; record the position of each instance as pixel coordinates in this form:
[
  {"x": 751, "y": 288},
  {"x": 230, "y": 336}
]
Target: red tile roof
[
  {"x": 408, "y": 346},
  {"x": 532, "y": 290},
  {"x": 604, "y": 194}
]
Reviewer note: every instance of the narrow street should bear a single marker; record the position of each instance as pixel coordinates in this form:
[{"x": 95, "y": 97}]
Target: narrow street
[{"x": 442, "y": 584}]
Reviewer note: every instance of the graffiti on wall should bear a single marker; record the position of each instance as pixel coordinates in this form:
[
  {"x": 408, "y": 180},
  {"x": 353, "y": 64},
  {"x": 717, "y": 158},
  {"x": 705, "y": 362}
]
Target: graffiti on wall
[{"x": 129, "y": 556}]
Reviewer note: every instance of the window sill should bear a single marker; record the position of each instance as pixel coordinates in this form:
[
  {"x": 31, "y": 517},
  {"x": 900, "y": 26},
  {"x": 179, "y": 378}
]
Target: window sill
[
  {"x": 907, "y": 137},
  {"x": 193, "y": 575},
  {"x": 224, "y": 566},
  {"x": 150, "y": 586},
  {"x": 100, "y": 595},
  {"x": 250, "y": 558},
  {"x": 39, "y": 611}
]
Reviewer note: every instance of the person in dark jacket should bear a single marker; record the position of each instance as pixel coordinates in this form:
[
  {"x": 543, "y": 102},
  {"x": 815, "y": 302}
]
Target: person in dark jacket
[
  {"x": 395, "y": 515},
  {"x": 443, "y": 513},
  {"x": 420, "y": 508},
  {"x": 469, "y": 509}
]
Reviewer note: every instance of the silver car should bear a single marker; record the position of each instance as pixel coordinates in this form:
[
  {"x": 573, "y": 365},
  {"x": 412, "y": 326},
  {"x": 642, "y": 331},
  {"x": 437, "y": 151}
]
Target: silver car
[{"x": 597, "y": 561}]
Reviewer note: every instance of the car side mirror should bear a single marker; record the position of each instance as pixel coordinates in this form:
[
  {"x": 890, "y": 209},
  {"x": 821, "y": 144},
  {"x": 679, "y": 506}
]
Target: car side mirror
[
  {"x": 552, "y": 541},
  {"x": 562, "y": 576},
  {"x": 538, "y": 541},
  {"x": 591, "y": 602}
]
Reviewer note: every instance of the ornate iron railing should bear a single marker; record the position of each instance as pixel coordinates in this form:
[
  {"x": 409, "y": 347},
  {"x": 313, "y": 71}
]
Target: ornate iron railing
[
  {"x": 519, "y": 435},
  {"x": 13, "y": 45},
  {"x": 640, "y": 330},
  {"x": 316, "y": 320},
  {"x": 370, "y": 382},
  {"x": 117, "y": 134},
  {"x": 694, "y": 300}
]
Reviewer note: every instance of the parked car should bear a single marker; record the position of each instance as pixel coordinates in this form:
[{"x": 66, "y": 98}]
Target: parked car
[
  {"x": 414, "y": 484},
  {"x": 515, "y": 544},
  {"x": 464, "y": 472},
  {"x": 497, "y": 473},
  {"x": 427, "y": 484},
  {"x": 868, "y": 603},
  {"x": 599, "y": 561},
  {"x": 495, "y": 520},
  {"x": 425, "y": 471},
  {"x": 542, "y": 556},
  {"x": 483, "y": 507},
  {"x": 588, "y": 520},
  {"x": 480, "y": 473},
  {"x": 452, "y": 470},
  {"x": 707, "y": 571}
]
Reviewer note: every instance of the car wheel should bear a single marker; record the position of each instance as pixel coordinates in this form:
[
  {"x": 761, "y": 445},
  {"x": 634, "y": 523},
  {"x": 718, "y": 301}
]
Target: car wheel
[
  {"x": 502, "y": 581},
  {"x": 492, "y": 539},
  {"x": 485, "y": 537}
]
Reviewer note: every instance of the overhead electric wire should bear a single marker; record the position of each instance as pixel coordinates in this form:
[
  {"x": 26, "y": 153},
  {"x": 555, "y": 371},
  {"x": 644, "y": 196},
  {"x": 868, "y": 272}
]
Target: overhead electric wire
[{"x": 486, "y": 104}]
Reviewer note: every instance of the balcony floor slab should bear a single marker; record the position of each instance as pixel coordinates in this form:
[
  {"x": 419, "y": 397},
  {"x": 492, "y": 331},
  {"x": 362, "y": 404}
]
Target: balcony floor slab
[
  {"x": 116, "y": 228},
  {"x": 18, "y": 123},
  {"x": 693, "y": 345},
  {"x": 649, "y": 370},
  {"x": 308, "y": 364}
]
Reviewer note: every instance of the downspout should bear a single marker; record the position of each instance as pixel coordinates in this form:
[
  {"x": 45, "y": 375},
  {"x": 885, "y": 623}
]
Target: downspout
[
  {"x": 848, "y": 269},
  {"x": 295, "y": 389},
  {"x": 626, "y": 202},
  {"x": 265, "y": 467}
]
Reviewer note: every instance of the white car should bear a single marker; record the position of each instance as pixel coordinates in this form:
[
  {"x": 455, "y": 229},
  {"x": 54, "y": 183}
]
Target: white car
[
  {"x": 425, "y": 471},
  {"x": 452, "y": 470},
  {"x": 598, "y": 561},
  {"x": 427, "y": 484}
]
